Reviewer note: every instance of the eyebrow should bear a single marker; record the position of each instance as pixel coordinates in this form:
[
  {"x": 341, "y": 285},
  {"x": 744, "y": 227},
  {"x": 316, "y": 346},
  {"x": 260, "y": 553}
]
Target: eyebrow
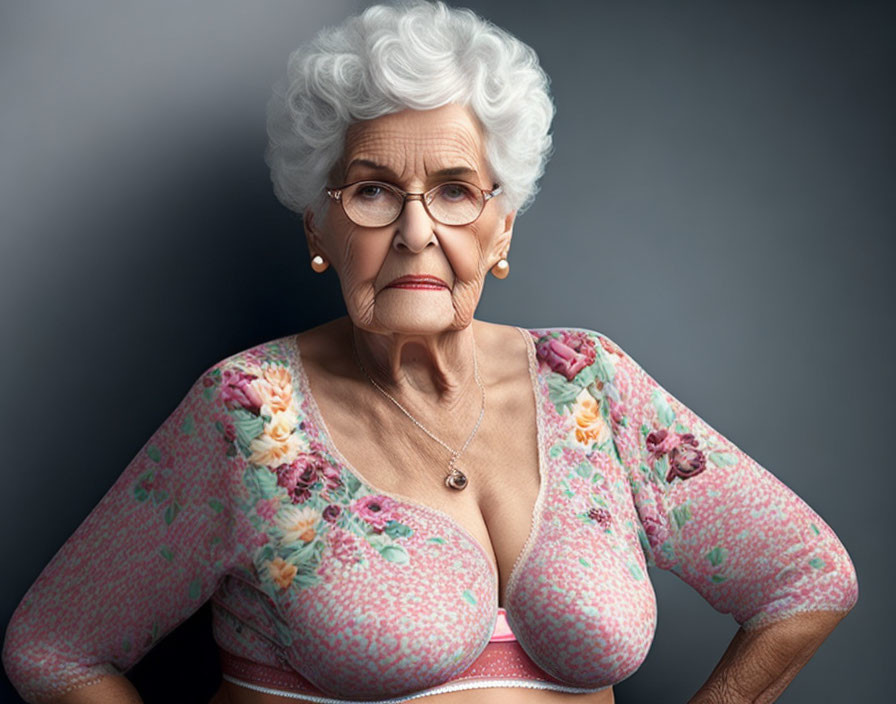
[{"x": 450, "y": 171}]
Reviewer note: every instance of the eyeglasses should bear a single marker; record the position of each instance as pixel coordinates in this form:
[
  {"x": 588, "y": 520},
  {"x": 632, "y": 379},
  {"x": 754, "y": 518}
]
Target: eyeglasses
[{"x": 377, "y": 204}]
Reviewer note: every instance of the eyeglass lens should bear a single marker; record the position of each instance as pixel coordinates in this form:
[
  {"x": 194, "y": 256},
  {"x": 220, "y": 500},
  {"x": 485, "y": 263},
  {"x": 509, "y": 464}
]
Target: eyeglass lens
[{"x": 374, "y": 204}]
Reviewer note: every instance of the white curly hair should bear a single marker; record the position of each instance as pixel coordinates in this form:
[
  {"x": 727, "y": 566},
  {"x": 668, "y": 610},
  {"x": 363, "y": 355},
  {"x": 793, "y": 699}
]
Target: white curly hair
[{"x": 419, "y": 55}]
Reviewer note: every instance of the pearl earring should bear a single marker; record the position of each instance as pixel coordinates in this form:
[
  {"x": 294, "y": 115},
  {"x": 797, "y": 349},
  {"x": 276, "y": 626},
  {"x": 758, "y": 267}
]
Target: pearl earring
[
  {"x": 319, "y": 264},
  {"x": 501, "y": 269}
]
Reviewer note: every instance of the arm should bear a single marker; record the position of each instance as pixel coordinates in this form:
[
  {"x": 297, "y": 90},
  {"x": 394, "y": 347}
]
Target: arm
[
  {"x": 149, "y": 554},
  {"x": 112, "y": 689},
  {"x": 758, "y": 665},
  {"x": 729, "y": 528}
]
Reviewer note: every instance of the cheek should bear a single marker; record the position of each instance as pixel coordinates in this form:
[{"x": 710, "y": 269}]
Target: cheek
[
  {"x": 466, "y": 257},
  {"x": 363, "y": 257}
]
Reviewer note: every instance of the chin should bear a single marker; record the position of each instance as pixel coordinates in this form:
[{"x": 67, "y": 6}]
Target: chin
[{"x": 420, "y": 320}]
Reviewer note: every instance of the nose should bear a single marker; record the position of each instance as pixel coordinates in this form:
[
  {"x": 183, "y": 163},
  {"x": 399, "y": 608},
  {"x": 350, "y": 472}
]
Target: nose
[{"x": 414, "y": 226}]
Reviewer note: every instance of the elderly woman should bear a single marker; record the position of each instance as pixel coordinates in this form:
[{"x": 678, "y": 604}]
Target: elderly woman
[{"x": 408, "y": 501}]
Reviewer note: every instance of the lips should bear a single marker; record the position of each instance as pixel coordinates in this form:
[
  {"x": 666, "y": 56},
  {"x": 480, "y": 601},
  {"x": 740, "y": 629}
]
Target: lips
[{"x": 422, "y": 281}]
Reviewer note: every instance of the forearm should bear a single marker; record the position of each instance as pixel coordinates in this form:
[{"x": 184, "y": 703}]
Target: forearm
[
  {"x": 758, "y": 665},
  {"x": 113, "y": 689}
]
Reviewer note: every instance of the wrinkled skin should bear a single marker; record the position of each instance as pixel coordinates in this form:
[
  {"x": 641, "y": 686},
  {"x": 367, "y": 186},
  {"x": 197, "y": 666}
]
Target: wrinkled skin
[{"x": 411, "y": 338}]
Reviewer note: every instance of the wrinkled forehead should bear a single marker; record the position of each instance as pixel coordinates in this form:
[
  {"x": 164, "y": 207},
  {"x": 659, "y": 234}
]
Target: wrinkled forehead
[{"x": 416, "y": 146}]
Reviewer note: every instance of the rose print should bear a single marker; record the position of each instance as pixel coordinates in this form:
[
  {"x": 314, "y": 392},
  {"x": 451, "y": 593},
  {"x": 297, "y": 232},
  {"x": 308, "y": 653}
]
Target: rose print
[
  {"x": 332, "y": 512},
  {"x": 375, "y": 509},
  {"x": 568, "y": 354},
  {"x": 661, "y": 442},
  {"x": 275, "y": 388},
  {"x": 281, "y": 425},
  {"x": 686, "y": 460},
  {"x": 237, "y": 391},
  {"x": 601, "y": 515},
  {"x": 299, "y": 476},
  {"x": 268, "y": 451}
]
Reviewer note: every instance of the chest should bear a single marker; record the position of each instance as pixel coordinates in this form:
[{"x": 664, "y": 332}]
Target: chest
[{"x": 392, "y": 577}]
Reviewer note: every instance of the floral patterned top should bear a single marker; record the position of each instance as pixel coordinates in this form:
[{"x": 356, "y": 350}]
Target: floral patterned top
[{"x": 241, "y": 497}]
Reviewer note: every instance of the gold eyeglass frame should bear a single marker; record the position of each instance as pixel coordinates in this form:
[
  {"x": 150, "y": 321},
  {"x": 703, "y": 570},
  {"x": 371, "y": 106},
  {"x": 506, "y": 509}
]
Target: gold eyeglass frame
[{"x": 336, "y": 194}]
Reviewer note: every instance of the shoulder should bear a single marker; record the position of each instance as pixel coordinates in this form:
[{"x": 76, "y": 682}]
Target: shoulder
[
  {"x": 251, "y": 383},
  {"x": 581, "y": 346}
]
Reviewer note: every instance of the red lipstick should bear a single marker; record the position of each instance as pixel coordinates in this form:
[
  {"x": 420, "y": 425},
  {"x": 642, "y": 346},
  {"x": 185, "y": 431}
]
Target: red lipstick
[{"x": 419, "y": 281}]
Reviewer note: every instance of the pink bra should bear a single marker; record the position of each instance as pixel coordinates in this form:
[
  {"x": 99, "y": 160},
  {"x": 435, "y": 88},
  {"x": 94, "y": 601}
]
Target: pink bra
[{"x": 503, "y": 663}]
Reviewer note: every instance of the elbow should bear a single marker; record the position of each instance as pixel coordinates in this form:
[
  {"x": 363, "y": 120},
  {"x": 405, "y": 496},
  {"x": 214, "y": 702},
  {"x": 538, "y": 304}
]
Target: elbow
[
  {"x": 820, "y": 586},
  {"x": 40, "y": 668}
]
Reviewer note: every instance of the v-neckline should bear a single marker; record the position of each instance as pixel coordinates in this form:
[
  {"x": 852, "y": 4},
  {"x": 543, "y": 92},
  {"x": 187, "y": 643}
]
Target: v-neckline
[{"x": 535, "y": 383}]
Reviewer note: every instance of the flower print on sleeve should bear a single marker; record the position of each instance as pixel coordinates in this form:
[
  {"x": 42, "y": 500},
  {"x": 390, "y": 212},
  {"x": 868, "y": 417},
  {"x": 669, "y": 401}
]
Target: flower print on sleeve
[
  {"x": 711, "y": 514},
  {"x": 148, "y": 555}
]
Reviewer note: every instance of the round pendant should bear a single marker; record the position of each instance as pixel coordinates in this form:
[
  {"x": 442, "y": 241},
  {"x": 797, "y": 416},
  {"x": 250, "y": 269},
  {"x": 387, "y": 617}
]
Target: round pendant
[{"x": 456, "y": 480}]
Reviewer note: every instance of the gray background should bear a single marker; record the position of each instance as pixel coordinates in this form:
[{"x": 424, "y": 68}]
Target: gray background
[{"x": 719, "y": 203}]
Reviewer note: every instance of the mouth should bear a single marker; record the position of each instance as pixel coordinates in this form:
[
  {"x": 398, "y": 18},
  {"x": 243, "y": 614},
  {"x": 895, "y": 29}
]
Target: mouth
[{"x": 425, "y": 282}]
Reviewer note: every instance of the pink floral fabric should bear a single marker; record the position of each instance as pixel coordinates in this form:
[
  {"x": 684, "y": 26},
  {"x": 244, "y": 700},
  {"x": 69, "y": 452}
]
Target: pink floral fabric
[{"x": 241, "y": 498}]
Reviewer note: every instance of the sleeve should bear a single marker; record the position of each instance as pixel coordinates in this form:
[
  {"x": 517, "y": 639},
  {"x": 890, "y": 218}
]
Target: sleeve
[
  {"x": 148, "y": 555},
  {"x": 713, "y": 516}
]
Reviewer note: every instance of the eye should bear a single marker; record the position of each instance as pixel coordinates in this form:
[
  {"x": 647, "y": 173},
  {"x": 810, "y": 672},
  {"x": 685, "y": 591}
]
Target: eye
[
  {"x": 371, "y": 191},
  {"x": 455, "y": 192}
]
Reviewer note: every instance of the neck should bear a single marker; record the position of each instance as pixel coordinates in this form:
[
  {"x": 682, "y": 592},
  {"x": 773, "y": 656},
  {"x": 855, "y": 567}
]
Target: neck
[{"x": 436, "y": 367}]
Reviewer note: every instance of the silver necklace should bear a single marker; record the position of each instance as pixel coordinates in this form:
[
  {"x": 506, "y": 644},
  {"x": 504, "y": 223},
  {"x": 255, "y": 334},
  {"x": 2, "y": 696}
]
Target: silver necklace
[{"x": 455, "y": 478}]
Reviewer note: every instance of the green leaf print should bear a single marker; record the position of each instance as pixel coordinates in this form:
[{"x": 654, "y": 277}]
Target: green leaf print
[
  {"x": 563, "y": 393},
  {"x": 171, "y": 512},
  {"x": 585, "y": 379},
  {"x": 248, "y": 426},
  {"x": 165, "y": 552},
  {"x": 668, "y": 551},
  {"x": 395, "y": 553},
  {"x": 154, "y": 453},
  {"x": 188, "y": 427},
  {"x": 436, "y": 539},
  {"x": 718, "y": 578},
  {"x": 396, "y": 530},
  {"x": 660, "y": 470},
  {"x": 602, "y": 368},
  {"x": 216, "y": 505},
  {"x": 300, "y": 554},
  {"x": 817, "y": 563},
  {"x": 195, "y": 588},
  {"x": 351, "y": 483},
  {"x": 681, "y": 515},
  {"x": 583, "y": 469},
  {"x": 722, "y": 459},
  {"x": 469, "y": 597},
  {"x": 584, "y": 562},
  {"x": 717, "y": 556},
  {"x": 664, "y": 411}
]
